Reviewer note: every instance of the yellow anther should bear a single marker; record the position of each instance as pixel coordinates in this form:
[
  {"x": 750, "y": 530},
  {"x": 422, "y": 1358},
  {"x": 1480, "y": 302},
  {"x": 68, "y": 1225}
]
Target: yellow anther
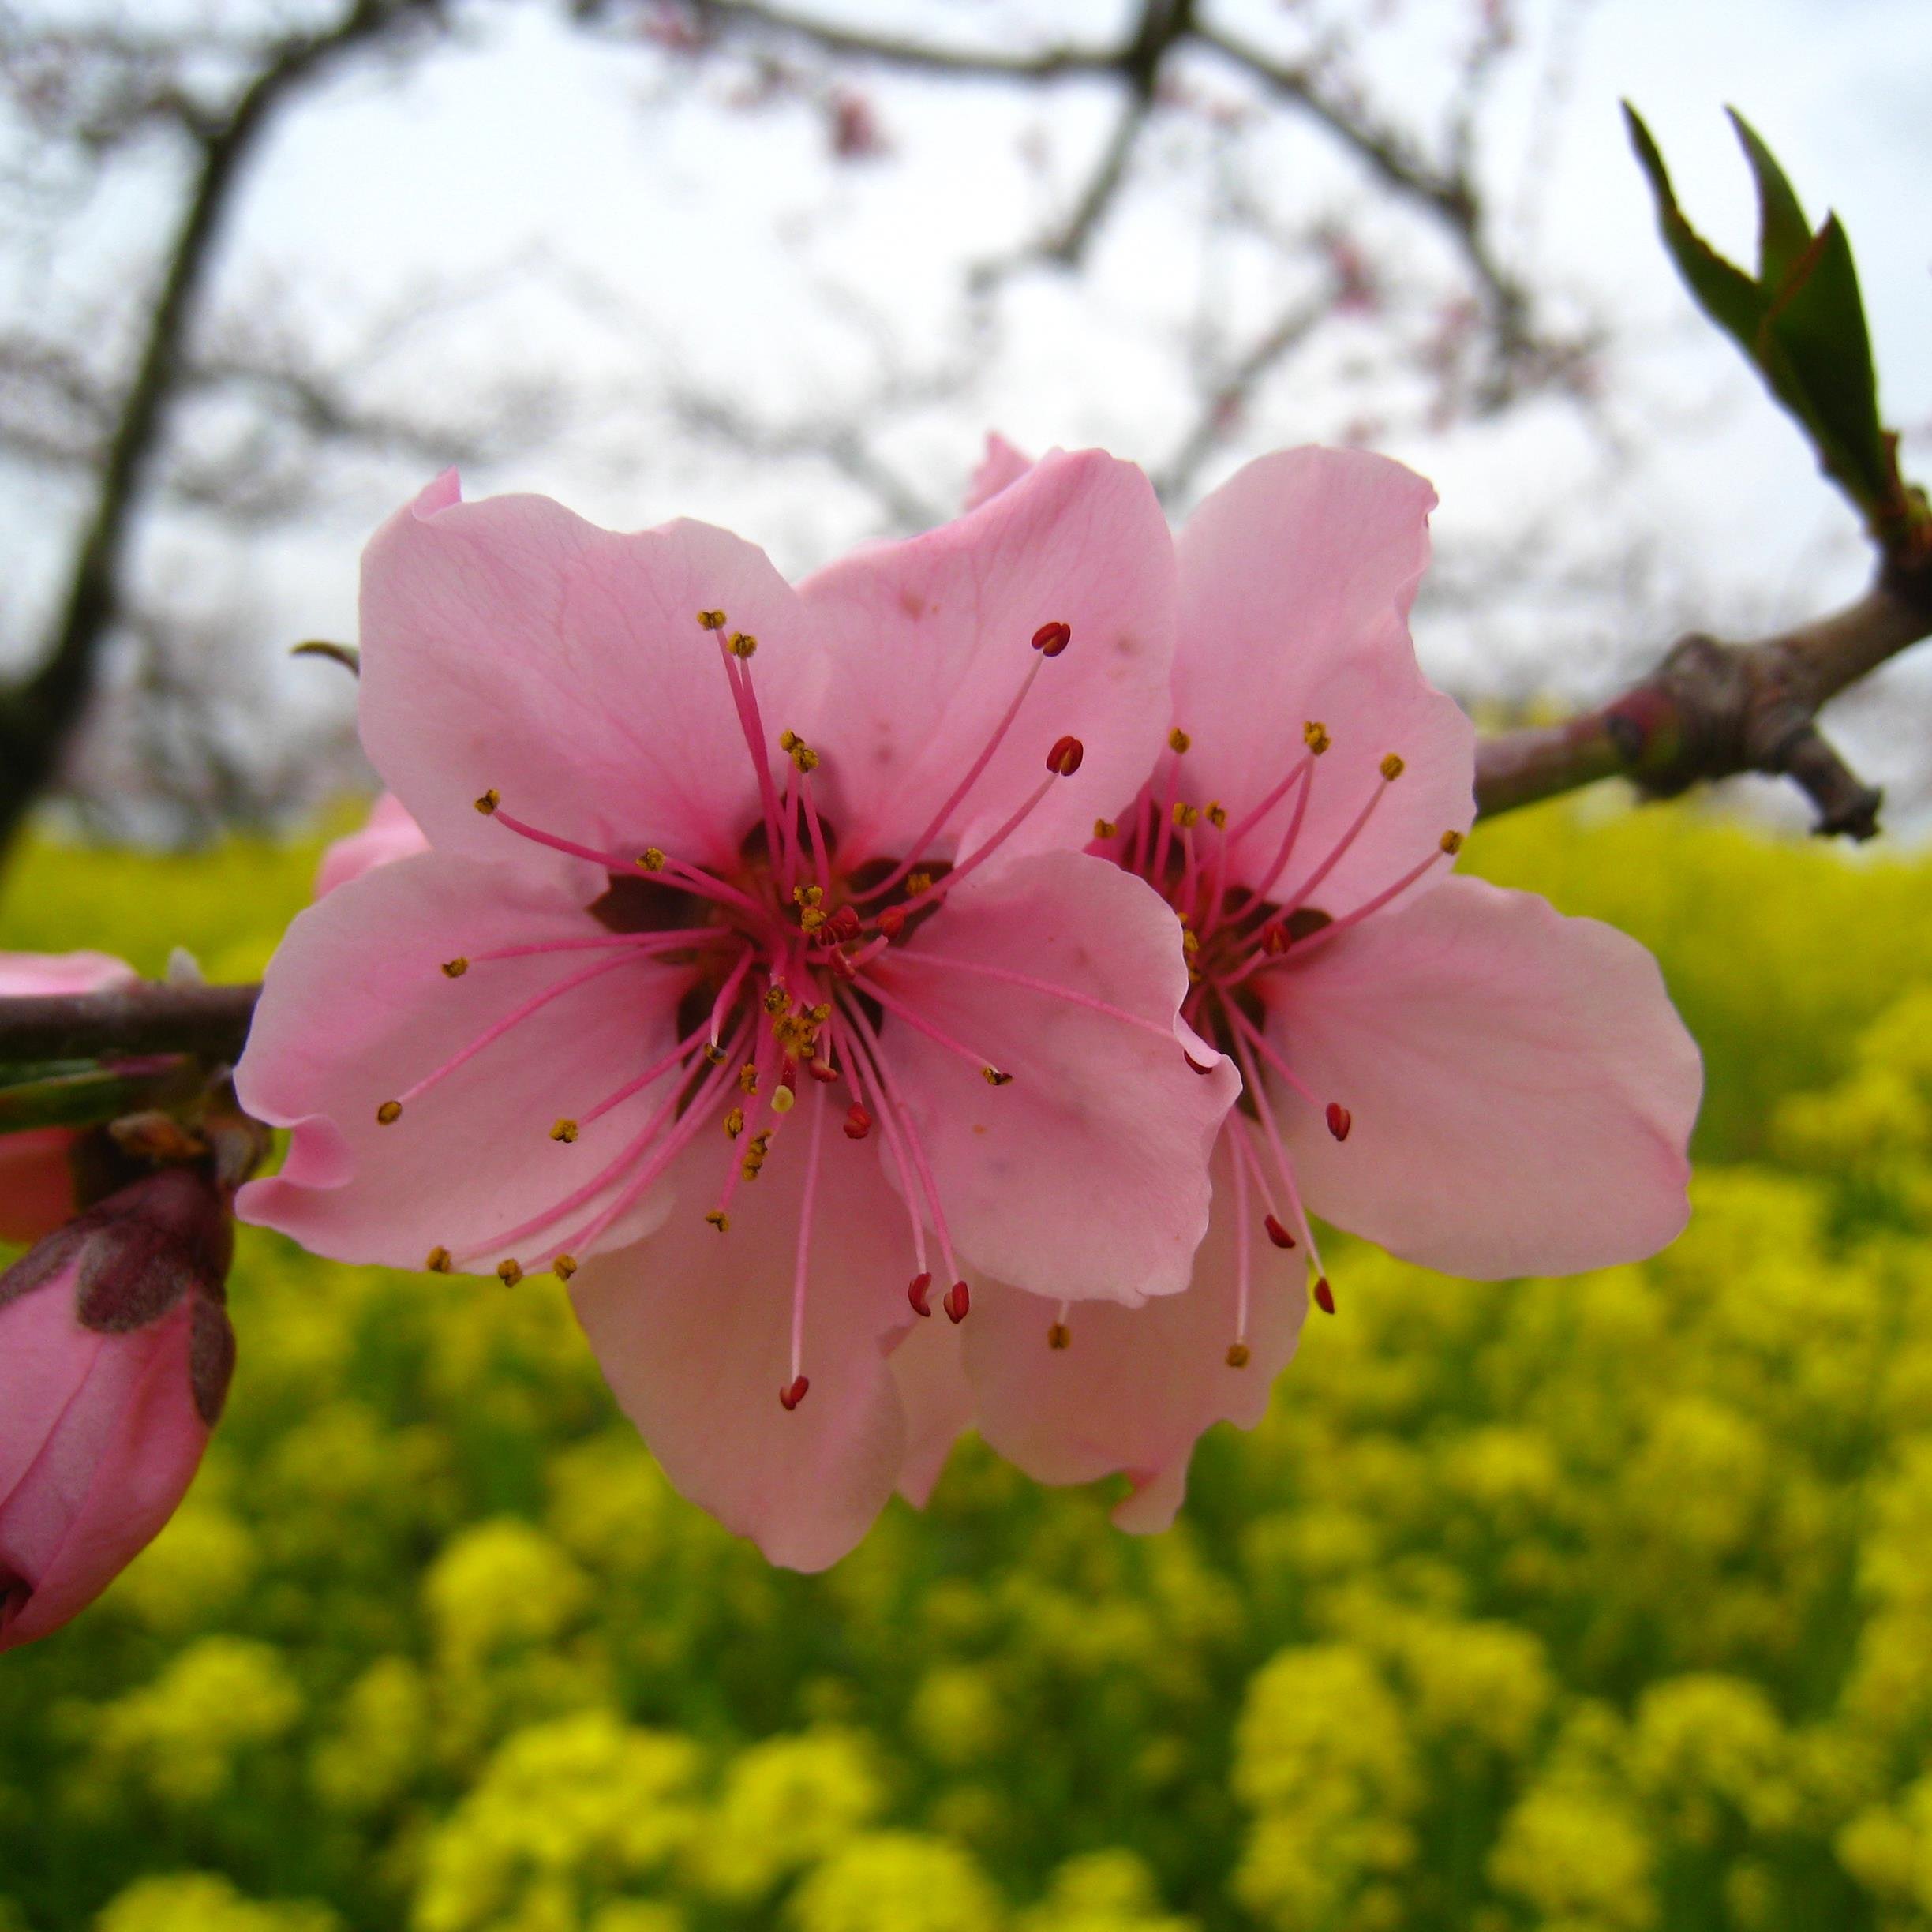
[
  {"x": 917, "y": 882},
  {"x": 1316, "y": 737},
  {"x": 563, "y": 1130},
  {"x": 759, "y": 1142},
  {"x": 1190, "y": 943},
  {"x": 993, "y": 1077},
  {"x": 1105, "y": 829},
  {"x": 652, "y": 859},
  {"x": 784, "y": 1099},
  {"x": 802, "y": 754},
  {"x": 823, "y": 1011},
  {"x": 742, "y": 644},
  {"x": 509, "y": 1272},
  {"x": 439, "y": 1261},
  {"x": 563, "y": 1266},
  {"x": 777, "y": 1000},
  {"x": 455, "y": 968},
  {"x": 389, "y": 1113},
  {"x": 721, "y": 1222},
  {"x": 807, "y": 895},
  {"x": 747, "y": 1077},
  {"x": 489, "y": 801},
  {"x": 1217, "y": 816},
  {"x": 1392, "y": 767},
  {"x": 1237, "y": 1355},
  {"x": 1059, "y": 1336},
  {"x": 734, "y": 1123},
  {"x": 1178, "y": 740},
  {"x": 711, "y": 621},
  {"x": 714, "y": 1053},
  {"x": 1451, "y": 843},
  {"x": 1185, "y": 814},
  {"x": 811, "y": 918}
]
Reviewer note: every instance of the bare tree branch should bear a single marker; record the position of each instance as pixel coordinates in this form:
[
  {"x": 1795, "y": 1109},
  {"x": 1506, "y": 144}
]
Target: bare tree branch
[
  {"x": 36, "y": 717},
  {"x": 1711, "y": 710}
]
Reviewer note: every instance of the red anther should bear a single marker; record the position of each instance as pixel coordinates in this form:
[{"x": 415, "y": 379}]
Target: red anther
[
  {"x": 1065, "y": 758},
  {"x": 793, "y": 1393},
  {"x": 844, "y": 926},
  {"x": 1340, "y": 1120},
  {"x": 1050, "y": 639},
  {"x": 892, "y": 921},
  {"x": 820, "y": 1072},
  {"x": 857, "y": 1122},
  {"x": 917, "y": 1293},
  {"x": 1277, "y": 1233},
  {"x": 839, "y": 964},
  {"x": 958, "y": 1302},
  {"x": 1324, "y": 1295},
  {"x": 1274, "y": 939}
]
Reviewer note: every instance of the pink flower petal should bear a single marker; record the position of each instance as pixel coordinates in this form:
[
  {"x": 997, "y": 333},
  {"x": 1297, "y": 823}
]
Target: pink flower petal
[
  {"x": 929, "y": 640},
  {"x": 1001, "y": 464},
  {"x": 356, "y": 1007},
  {"x": 1520, "y": 1090},
  {"x": 389, "y": 833},
  {"x": 928, "y": 1368},
  {"x": 693, "y": 1331},
  {"x": 1295, "y": 580},
  {"x": 510, "y": 645},
  {"x": 27, "y": 973},
  {"x": 1087, "y": 1175},
  {"x": 1134, "y": 1388}
]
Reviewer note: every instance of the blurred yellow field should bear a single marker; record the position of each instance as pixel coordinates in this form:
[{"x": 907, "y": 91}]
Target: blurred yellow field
[{"x": 1595, "y": 1605}]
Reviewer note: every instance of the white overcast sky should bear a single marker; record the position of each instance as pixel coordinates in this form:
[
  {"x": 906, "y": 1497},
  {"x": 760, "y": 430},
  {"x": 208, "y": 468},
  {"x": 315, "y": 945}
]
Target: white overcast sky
[{"x": 720, "y": 232}]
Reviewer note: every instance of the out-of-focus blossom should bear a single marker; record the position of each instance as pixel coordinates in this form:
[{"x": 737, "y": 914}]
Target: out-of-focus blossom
[
  {"x": 37, "y": 1179},
  {"x": 388, "y": 832},
  {"x": 115, "y": 1353},
  {"x": 726, "y": 880},
  {"x": 1452, "y": 1070}
]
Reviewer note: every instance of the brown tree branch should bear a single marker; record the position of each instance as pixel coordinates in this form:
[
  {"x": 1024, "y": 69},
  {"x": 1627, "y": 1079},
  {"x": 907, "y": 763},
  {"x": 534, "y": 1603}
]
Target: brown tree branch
[
  {"x": 127, "y": 1023},
  {"x": 37, "y": 716},
  {"x": 1712, "y": 710}
]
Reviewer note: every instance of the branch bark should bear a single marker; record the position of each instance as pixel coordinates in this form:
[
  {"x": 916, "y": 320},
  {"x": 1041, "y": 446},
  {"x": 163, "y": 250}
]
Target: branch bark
[
  {"x": 1712, "y": 710},
  {"x": 37, "y": 716},
  {"x": 127, "y": 1023}
]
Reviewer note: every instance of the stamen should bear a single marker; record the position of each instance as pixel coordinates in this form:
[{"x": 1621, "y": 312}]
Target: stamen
[
  {"x": 917, "y": 1290},
  {"x": 656, "y": 1069},
  {"x": 563, "y": 1266},
  {"x": 1449, "y": 845},
  {"x": 1339, "y": 1119},
  {"x": 1324, "y": 1295},
  {"x": 532, "y": 1004},
  {"x": 564, "y": 1130},
  {"x": 793, "y": 1393},
  {"x": 958, "y": 1303},
  {"x": 1238, "y": 1349},
  {"x": 738, "y": 675},
  {"x": 509, "y": 1272},
  {"x": 1059, "y": 1334},
  {"x": 455, "y": 968},
  {"x": 920, "y": 1025},
  {"x": 1050, "y": 639},
  {"x": 863, "y": 1079},
  {"x": 1299, "y": 896},
  {"x": 857, "y": 1122},
  {"x": 438, "y": 1262},
  {"x": 932, "y": 895},
  {"x": 802, "y": 1270},
  {"x": 917, "y": 851},
  {"x": 1063, "y": 759},
  {"x": 892, "y": 1111},
  {"x": 673, "y": 939}
]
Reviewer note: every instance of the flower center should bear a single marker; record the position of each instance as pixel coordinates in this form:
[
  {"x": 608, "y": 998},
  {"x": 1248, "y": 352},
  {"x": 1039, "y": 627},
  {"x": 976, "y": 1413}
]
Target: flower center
[
  {"x": 792, "y": 981},
  {"x": 1242, "y": 940}
]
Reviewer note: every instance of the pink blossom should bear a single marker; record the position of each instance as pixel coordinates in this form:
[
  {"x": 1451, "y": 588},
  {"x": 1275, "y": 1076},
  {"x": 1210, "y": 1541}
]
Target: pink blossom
[
  {"x": 755, "y": 981},
  {"x": 116, "y": 1352},
  {"x": 388, "y": 832},
  {"x": 1454, "y": 1071},
  {"x": 36, "y": 1182}
]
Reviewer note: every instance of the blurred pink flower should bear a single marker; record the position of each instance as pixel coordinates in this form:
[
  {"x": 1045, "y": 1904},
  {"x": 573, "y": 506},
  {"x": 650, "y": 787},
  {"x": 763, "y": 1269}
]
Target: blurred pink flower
[
  {"x": 115, "y": 1353},
  {"x": 36, "y": 1182},
  {"x": 388, "y": 832},
  {"x": 725, "y": 881},
  {"x": 1455, "y": 1072}
]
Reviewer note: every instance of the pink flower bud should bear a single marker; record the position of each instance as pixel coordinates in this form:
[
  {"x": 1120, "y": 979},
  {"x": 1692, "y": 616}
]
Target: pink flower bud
[{"x": 115, "y": 1353}]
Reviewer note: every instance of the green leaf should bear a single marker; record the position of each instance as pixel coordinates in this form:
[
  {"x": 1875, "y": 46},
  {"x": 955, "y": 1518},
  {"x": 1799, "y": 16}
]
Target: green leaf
[
  {"x": 66, "y": 1099},
  {"x": 1816, "y": 322},
  {"x": 1783, "y": 234},
  {"x": 1723, "y": 291}
]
